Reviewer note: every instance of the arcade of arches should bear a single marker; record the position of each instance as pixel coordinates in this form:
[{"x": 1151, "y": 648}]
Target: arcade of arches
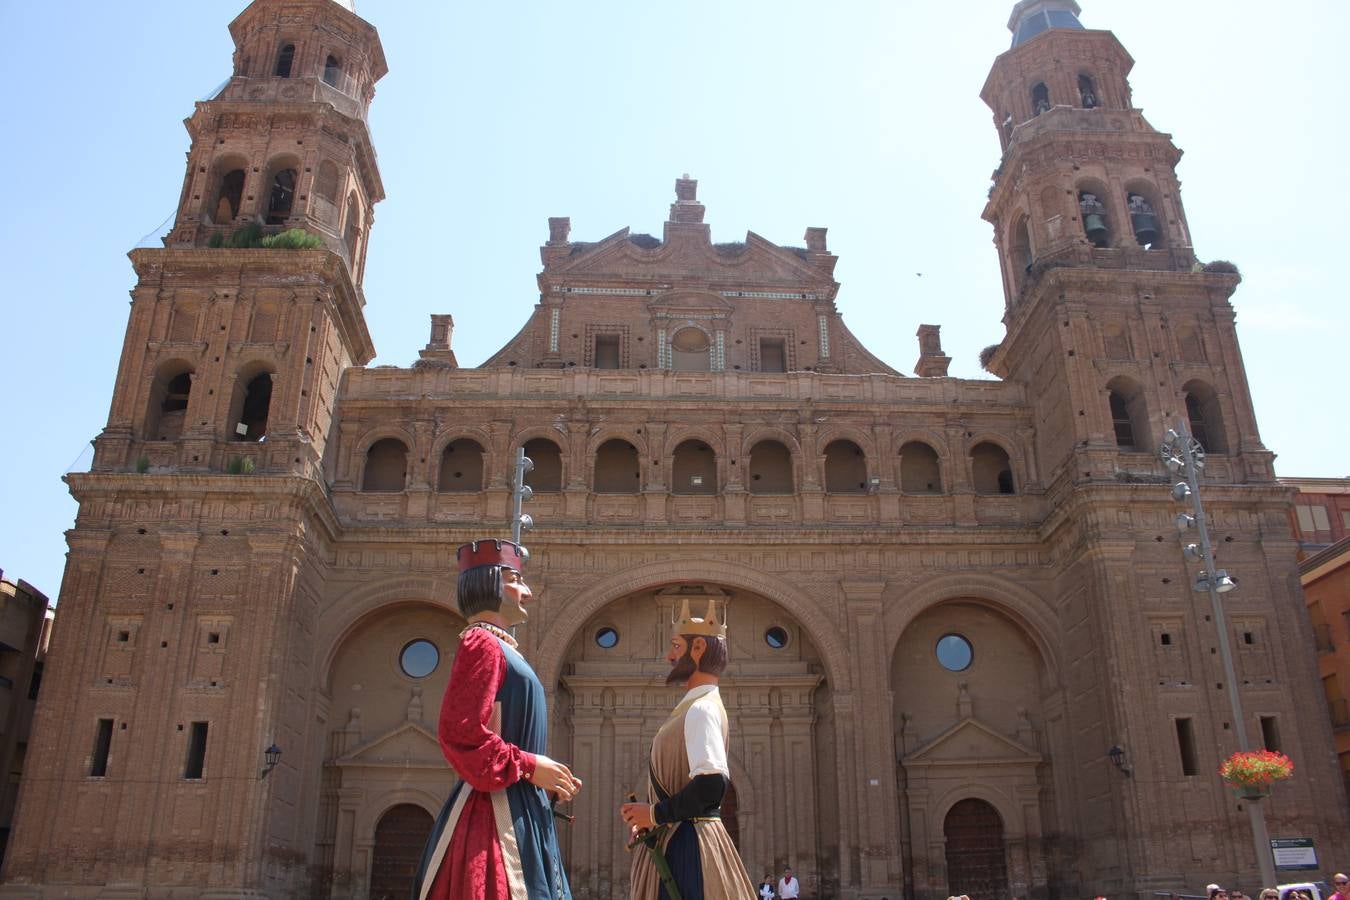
[{"x": 970, "y": 693}]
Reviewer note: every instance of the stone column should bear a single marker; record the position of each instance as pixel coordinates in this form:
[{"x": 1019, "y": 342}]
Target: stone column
[{"x": 878, "y": 811}]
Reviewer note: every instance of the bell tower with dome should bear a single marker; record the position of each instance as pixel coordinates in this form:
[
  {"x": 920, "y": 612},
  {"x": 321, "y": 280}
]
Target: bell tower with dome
[
  {"x": 189, "y": 596},
  {"x": 1100, "y": 274}
]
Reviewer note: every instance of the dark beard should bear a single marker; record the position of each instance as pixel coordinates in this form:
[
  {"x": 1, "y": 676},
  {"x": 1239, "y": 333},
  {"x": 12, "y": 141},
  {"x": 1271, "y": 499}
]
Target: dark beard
[{"x": 683, "y": 670}]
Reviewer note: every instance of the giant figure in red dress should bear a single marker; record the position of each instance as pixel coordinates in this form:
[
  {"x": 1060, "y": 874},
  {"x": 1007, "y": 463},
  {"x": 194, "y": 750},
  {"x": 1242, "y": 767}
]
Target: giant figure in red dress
[{"x": 494, "y": 839}]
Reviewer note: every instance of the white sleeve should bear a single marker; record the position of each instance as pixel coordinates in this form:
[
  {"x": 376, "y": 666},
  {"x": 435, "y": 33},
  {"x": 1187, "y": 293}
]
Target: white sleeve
[{"x": 703, "y": 741}]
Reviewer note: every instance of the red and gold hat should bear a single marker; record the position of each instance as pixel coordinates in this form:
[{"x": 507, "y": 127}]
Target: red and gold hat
[{"x": 490, "y": 552}]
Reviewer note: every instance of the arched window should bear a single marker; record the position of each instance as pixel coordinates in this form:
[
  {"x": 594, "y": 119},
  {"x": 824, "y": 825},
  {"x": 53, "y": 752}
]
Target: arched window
[
  {"x": 255, "y": 403},
  {"x": 1143, "y": 219},
  {"x": 332, "y": 71},
  {"x": 1205, "y": 416},
  {"x": 1120, "y": 422},
  {"x": 990, "y": 469},
  {"x": 284, "y": 60},
  {"x": 547, "y": 472},
  {"x": 1129, "y": 414},
  {"x": 228, "y": 196},
  {"x": 1093, "y": 213},
  {"x": 920, "y": 471},
  {"x": 1040, "y": 99},
  {"x": 461, "y": 466},
  {"x": 352, "y": 231},
  {"x": 282, "y": 198},
  {"x": 1087, "y": 92},
  {"x": 845, "y": 468},
  {"x": 770, "y": 469},
  {"x": 694, "y": 469},
  {"x": 616, "y": 468},
  {"x": 689, "y": 351},
  {"x": 168, "y": 403},
  {"x": 386, "y": 466}
]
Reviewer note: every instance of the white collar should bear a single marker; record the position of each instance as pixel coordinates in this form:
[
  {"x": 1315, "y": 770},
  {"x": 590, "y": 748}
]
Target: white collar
[{"x": 702, "y": 690}]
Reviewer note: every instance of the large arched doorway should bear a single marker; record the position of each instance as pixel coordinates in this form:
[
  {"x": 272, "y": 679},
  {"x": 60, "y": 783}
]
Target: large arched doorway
[
  {"x": 976, "y": 863},
  {"x": 612, "y": 698},
  {"x": 381, "y": 760},
  {"x": 400, "y": 838},
  {"x": 971, "y": 690}
]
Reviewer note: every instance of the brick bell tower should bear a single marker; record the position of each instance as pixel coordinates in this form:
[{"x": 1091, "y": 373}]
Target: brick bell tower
[
  {"x": 236, "y": 340},
  {"x": 193, "y": 579},
  {"x": 1117, "y": 331},
  {"x": 1110, "y": 319}
]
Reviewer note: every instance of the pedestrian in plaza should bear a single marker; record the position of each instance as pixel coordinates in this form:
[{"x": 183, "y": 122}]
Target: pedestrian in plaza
[
  {"x": 789, "y": 888},
  {"x": 1270, "y": 894},
  {"x": 1342, "y": 885},
  {"x": 766, "y": 891}
]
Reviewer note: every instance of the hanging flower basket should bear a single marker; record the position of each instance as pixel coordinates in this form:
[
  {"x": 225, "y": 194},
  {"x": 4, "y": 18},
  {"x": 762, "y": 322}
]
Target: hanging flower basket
[{"x": 1251, "y": 774}]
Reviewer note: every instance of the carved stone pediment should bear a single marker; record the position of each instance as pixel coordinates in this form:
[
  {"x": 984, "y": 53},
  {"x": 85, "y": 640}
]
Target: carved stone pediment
[
  {"x": 410, "y": 745},
  {"x": 971, "y": 742}
]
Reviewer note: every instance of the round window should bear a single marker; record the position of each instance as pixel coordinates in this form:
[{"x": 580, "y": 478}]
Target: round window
[
  {"x": 954, "y": 653},
  {"x": 419, "y": 658},
  {"x": 607, "y": 638},
  {"x": 776, "y": 637}
]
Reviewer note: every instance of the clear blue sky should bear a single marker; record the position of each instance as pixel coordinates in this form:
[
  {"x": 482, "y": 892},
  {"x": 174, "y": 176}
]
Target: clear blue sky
[{"x": 862, "y": 116}]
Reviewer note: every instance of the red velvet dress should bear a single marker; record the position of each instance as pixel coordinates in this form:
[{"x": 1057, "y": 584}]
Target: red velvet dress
[{"x": 494, "y": 840}]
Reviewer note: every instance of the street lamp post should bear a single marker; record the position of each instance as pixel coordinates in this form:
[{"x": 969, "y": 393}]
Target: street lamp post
[
  {"x": 520, "y": 492},
  {"x": 1184, "y": 456}
]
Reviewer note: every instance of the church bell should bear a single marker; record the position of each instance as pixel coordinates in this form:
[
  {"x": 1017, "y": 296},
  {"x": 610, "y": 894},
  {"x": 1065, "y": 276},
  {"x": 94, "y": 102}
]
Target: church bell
[
  {"x": 1094, "y": 225},
  {"x": 1145, "y": 226}
]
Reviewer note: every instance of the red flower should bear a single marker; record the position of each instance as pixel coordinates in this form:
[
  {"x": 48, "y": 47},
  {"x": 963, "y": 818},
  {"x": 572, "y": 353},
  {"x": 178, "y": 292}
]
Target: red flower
[{"x": 1256, "y": 768}]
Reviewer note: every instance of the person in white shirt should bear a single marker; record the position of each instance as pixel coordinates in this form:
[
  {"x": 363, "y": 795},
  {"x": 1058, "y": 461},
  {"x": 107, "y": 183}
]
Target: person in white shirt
[
  {"x": 766, "y": 888},
  {"x": 789, "y": 888}
]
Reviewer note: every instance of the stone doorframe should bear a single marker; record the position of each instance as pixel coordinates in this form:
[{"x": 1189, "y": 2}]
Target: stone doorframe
[{"x": 971, "y": 760}]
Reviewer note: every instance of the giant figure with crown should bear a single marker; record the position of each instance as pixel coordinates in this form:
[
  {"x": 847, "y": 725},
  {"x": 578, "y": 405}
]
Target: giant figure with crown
[
  {"x": 685, "y": 852},
  {"x": 494, "y": 838}
]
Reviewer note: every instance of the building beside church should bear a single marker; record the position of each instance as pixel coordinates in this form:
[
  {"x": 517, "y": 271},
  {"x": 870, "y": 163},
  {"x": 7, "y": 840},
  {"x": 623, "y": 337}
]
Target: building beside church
[{"x": 948, "y": 599}]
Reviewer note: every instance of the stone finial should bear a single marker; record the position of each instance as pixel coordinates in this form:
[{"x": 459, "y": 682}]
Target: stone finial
[
  {"x": 932, "y": 362},
  {"x": 438, "y": 347},
  {"x": 559, "y": 227},
  {"x": 686, "y": 188},
  {"x": 686, "y": 207},
  {"x": 815, "y": 240}
]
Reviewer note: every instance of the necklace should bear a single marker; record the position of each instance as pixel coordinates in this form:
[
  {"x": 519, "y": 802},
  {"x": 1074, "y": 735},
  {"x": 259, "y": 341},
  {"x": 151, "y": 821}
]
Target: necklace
[{"x": 500, "y": 633}]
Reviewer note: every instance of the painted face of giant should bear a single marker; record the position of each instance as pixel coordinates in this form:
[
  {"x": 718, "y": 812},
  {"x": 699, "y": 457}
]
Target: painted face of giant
[
  {"x": 516, "y": 595},
  {"x": 683, "y": 657}
]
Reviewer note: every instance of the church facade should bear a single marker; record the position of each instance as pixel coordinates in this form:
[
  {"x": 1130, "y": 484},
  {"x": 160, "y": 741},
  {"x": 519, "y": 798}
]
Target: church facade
[{"x": 948, "y": 599}]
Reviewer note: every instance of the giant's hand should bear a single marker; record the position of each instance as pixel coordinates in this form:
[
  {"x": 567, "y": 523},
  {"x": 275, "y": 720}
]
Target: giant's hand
[
  {"x": 638, "y": 816},
  {"x": 552, "y": 775}
]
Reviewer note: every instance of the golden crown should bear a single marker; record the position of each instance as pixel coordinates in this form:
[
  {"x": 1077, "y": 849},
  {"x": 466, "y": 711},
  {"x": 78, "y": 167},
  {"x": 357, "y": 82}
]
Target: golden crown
[{"x": 710, "y": 625}]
